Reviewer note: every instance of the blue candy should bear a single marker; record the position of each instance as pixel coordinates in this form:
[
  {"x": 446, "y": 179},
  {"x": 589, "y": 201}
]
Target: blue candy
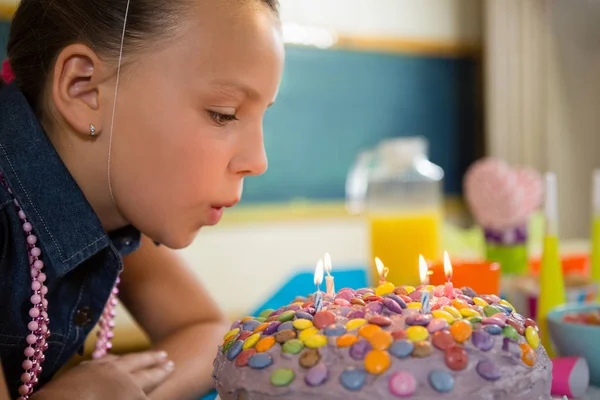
[
  {"x": 250, "y": 325},
  {"x": 441, "y": 381},
  {"x": 353, "y": 378},
  {"x": 303, "y": 315},
  {"x": 235, "y": 349},
  {"x": 401, "y": 348},
  {"x": 334, "y": 330},
  {"x": 507, "y": 310},
  {"x": 260, "y": 360},
  {"x": 285, "y": 326},
  {"x": 493, "y": 329}
]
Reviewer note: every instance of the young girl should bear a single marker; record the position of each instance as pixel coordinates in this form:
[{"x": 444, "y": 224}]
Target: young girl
[{"x": 129, "y": 123}]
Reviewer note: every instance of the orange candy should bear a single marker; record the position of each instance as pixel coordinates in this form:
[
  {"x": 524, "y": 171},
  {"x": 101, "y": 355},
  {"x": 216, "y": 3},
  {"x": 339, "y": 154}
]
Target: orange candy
[
  {"x": 246, "y": 319},
  {"x": 461, "y": 330},
  {"x": 261, "y": 327},
  {"x": 346, "y": 340},
  {"x": 377, "y": 361},
  {"x": 369, "y": 330},
  {"x": 527, "y": 355},
  {"x": 459, "y": 304},
  {"x": 381, "y": 340},
  {"x": 265, "y": 344}
]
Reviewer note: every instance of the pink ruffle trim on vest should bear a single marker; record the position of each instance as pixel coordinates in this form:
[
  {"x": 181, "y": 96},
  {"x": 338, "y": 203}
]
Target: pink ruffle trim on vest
[{"x": 7, "y": 73}]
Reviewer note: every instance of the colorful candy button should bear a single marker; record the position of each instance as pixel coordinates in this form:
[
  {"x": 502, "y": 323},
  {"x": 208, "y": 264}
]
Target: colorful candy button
[
  {"x": 357, "y": 301},
  {"x": 346, "y": 340},
  {"x": 441, "y": 381},
  {"x": 532, "y": 336},
  {"x": 293, "y": 346},
  {"x": 251, "y": 341},
  {"x": 250, "y": 325},
  {"x": 282, "y": 377},
  {"x": 355, "y": 323},
  {"x": 302, "y": 324},
  {"x": 246, "y": 319},
  {"x": 265, "y": 344},
  {"x": 506, "y": 304},
  {"x": 517, "y": 325},
  {"x": 493, "y": 321},
  {"x": 396, "y": 299},
  {"x": 373, "y": 298},
  {"x": 242, "y": 358},
  {"x": 399, "y": 334},
  {"x": 367, "y": 331},
  {"x": 307, "y": 332},
  {"x": 418, "y": 319},
  {"x": 231, "y": 333},
  {"x": 417, "y": 333},
  {"x": 261, "y": 327},
  {"x": 381, "y": 340},
  {"x": 507, "y": 310},
  {"x": 402, "y": 384},
  {"x": 493, "y": 329},
  {"x": 491, "y": 310},
  {"x": 380, "y": 320},
  {"x": 334, "y": 330},
  {"x": 437, "y": 324},
  {"x": 304, "y": 315},
  {"x": 315, "y": 341},
  {"x": 510, "y": 332},
  {"x": 442, "y": 339},
  {"x": 456, "y": 357},
  {"x": 385, "y": 288},
  {"x": 480, "y": 302},
  {"x": 461, "y": 330},
  {"x": 359, "y": 349},
  {"x": 459, "y": 304},
  {"x": 422, "y": 349},
  {"x": 234, "y": 350},
  {"x": 260, "y": 360},
  {"x": 377, "y": 361},
  {"x": 468, "y": 312},
  {"x": 488, "y": 370},
  {"x": 374, "y": 308},
  {"x": 286, "y": 335},
  {"x": 323, "y": 319},
  {"x": 482, "y": 339},
  {"x": 476, "y": 319},
  {"x": 286, "y": 316},
  {"x": 309, "y": 358},
  {"x": 445, "y": 315},
  {"x": 353, "y": 379},
  {"x": 266, "y": 313},
  {"x": 527, "y": 354},
  {"x": 453, "y": 311},
  {"x": 227, "y": 346},
  {"x": 317, "y": 375},
  {"x": 401, "y": 348},
  {"x": 286, "y": 326},
  {"x": 272, "y": 327}
]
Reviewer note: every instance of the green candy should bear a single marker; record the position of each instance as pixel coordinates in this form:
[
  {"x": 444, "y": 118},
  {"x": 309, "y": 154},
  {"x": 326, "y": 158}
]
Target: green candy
[
  {"x": 260, "y": 319},
  {"x": 293, "y": 346},
  {"x": 475, "y": 319},
  {"x": 491, "y": 310},
  {"x": 229, "y": 344},
  {"x": 282, "y": 377},
  {"x": 286, "y": 316},
  {"x": 510, "y": 332},
  {"x": 265, "y": 314}
]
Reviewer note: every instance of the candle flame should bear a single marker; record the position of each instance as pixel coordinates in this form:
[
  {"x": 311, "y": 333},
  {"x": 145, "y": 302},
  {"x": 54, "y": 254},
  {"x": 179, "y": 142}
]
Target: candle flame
[
  {"x": 327, "y": 263},
  {"x": 382, "y": 270},
  {"x": 447, "y": 266},
  {"x": 423, "y": 269},
  {"x": 319, "y": 273}
]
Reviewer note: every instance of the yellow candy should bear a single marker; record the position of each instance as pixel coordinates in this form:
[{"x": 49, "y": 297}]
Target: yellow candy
[
  {"x": 302, "y": 324},
  {"x": 231, "y": 333},
  {"x": 417, "y": 333},
  {"x": 307, "y": 332},
  {"x": 443, "y": 315},
  {"x": 315, "y": 341},
  {"x": 413, "y": 305},
  {"x": 468, "y": 313},
  {"x": 453, "y": 311},
  {"x": 532, "y": 336},
  {"x": 480, "y": 302},
  {"x": 251, "y": 341},
  {"x": 355, "y": 323},
  {"x": 409, "y": 289},
  {"x": 507, "y": 304},
  {"x": 385, "y": 288}
]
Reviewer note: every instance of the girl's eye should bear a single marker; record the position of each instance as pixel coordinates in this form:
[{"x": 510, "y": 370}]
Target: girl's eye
[{"x": 220, "y": 118}]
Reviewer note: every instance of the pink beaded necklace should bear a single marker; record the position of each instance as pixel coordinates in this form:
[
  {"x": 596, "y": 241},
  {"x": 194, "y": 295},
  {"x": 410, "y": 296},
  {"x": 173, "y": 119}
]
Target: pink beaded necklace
[{"x": 38, "y": 326}]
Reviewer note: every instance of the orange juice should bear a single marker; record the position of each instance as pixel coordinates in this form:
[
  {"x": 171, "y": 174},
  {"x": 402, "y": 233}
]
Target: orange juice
[{"x": 398, "y": 239}]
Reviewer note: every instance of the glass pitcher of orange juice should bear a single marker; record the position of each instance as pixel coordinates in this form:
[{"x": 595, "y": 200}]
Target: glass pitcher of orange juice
[{"x": 399, "y": 191}]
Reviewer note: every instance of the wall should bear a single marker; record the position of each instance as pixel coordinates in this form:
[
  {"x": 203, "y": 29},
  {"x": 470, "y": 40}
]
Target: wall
[{"x": 400, "y": 67}]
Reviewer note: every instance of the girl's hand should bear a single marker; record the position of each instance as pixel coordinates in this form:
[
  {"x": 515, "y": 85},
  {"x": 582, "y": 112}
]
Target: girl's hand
[{"x": 129, "y": 377}]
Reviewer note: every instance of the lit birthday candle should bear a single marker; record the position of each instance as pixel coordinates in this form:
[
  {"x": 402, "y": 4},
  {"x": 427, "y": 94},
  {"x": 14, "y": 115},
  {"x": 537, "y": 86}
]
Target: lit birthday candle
[
  {"x": 448, "y": 287},
  {"x": 329, "y": 284},
  {"x": 384, "y": 286},
  {"x": 318, "y": 298},
  {"x": 425, "y": 294}
]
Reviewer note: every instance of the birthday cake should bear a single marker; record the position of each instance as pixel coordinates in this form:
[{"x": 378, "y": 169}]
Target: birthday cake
[{"x": 360, "y": 344}]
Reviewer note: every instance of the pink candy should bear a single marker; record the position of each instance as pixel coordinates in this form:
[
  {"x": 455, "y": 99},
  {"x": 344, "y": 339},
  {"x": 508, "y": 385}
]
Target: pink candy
[{"x": 402, "y": 384}]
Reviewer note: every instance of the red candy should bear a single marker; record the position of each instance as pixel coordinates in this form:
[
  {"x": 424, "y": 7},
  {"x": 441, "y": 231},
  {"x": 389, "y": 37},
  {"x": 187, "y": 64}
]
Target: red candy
[{"x": 242, "y": 359}]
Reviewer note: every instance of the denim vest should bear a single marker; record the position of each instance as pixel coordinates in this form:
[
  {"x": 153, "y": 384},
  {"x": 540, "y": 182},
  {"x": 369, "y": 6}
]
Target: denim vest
[{"x": 81, "y": 261}]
